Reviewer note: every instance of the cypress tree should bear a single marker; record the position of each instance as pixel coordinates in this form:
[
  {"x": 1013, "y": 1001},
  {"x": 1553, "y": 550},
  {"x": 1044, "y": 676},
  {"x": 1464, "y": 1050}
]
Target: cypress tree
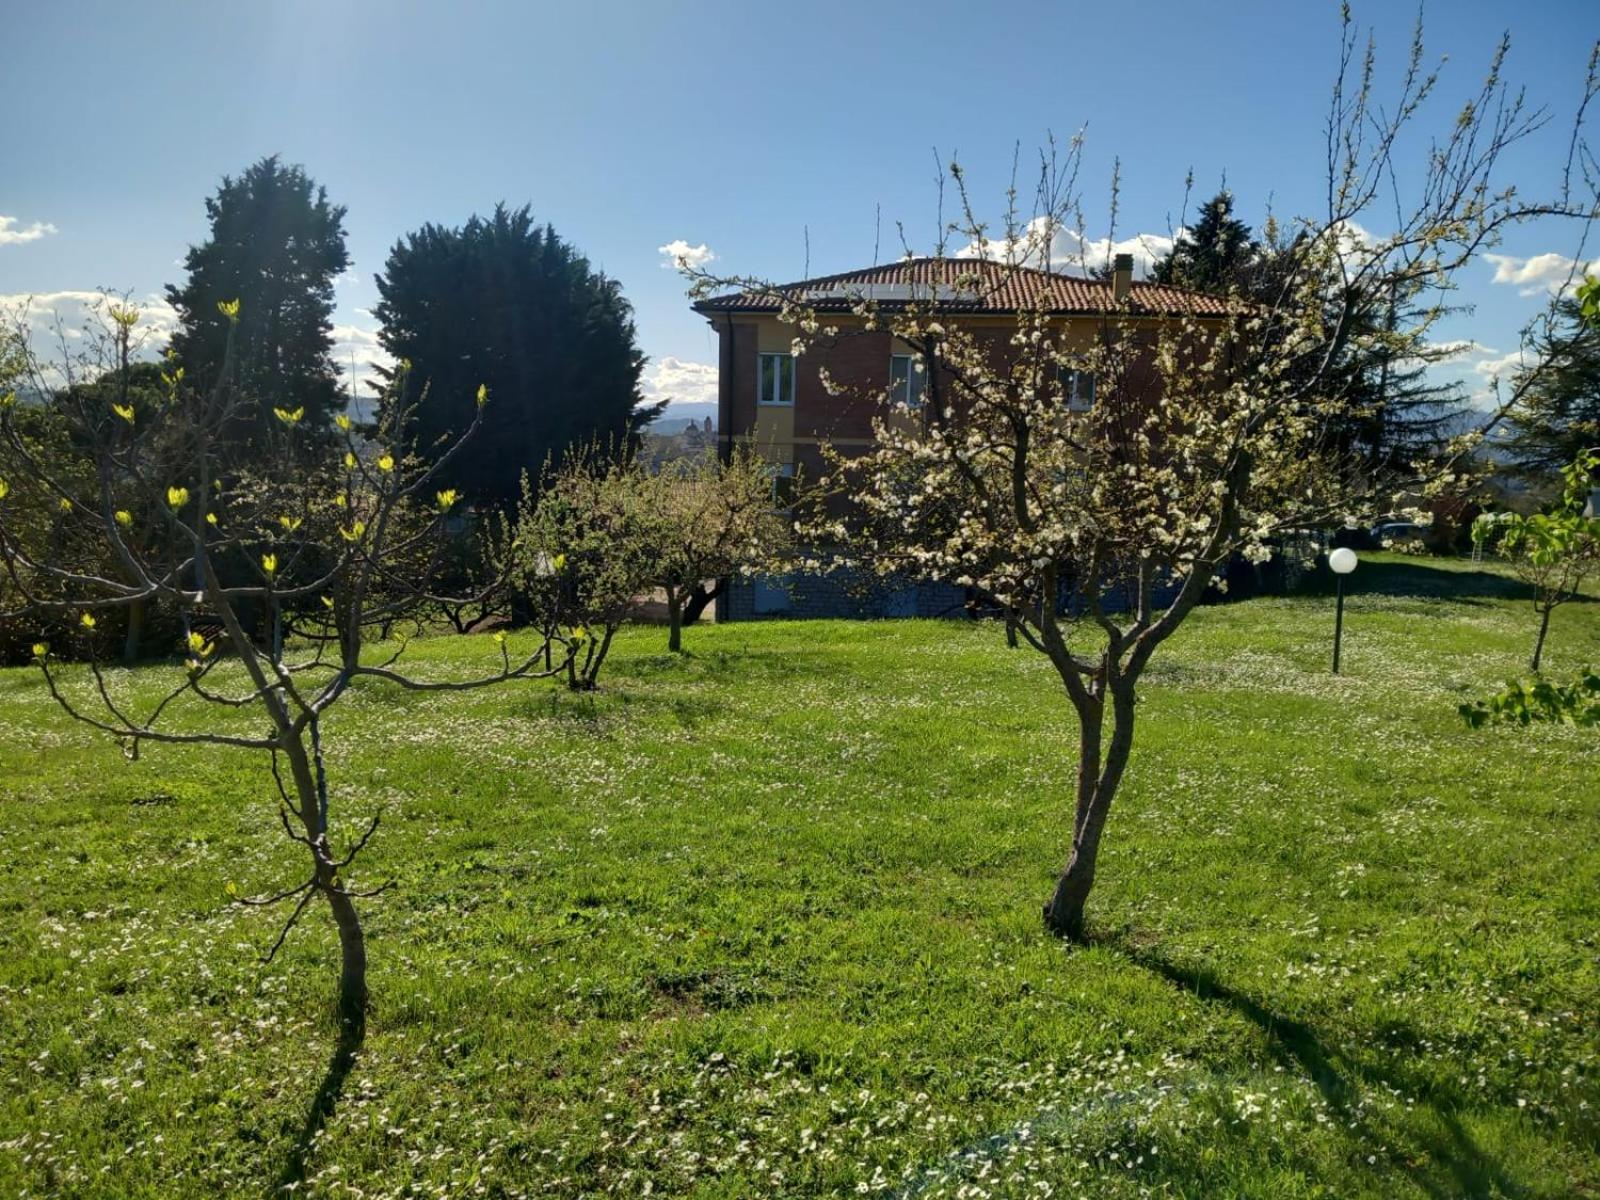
[
  {"x": 276, "y": 245},
  {"x": 504, "y": 302}
]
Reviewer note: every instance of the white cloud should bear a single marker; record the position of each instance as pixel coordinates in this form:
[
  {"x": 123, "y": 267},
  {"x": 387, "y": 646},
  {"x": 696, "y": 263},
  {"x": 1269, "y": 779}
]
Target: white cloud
[
  {"x": 10, "y": 236},
  {"x": 73, "y": 324},
  {"x": 1461, "y": 348},
  {"x": 356, "y": 349},
  {"x": 679, "y": 382},
  {"x": 1357, "y": 246},
  {"x": 73, "y": 319},
  {"x": 1499, "y": 366},
  {"x": 1044, "y": 242},
  {"x": 1467, "y": 356},
  {"x": 679, "y": 253},
  {"x": 1549, "y": 272}
]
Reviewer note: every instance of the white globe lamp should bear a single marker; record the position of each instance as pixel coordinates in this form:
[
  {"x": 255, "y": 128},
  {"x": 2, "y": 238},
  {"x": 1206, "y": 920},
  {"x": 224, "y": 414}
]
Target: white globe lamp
[{"x": 1341, "y": 562}]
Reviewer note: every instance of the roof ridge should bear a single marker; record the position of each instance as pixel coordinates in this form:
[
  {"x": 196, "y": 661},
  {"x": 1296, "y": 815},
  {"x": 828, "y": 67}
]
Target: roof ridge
[
  {"x": 1002, "y": 287},
  {"x": 993, "y": 263}
]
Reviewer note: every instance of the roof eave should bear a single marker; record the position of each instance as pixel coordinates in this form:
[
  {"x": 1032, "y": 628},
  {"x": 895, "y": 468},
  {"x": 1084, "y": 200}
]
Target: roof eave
[{"x": 709, "y": 307}]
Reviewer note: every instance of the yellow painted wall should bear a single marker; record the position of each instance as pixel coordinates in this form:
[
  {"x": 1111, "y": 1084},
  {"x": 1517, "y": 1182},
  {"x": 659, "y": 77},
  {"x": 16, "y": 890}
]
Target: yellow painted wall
[{"x": 774, "y": 432}]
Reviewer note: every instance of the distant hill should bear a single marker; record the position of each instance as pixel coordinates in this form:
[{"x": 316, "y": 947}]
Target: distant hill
[{"x": 679, "y": 417}]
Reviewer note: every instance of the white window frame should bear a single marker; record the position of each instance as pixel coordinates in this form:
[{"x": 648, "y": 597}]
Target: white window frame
[
  {"x": 915, "y": 373},
  {"x": 785, "y": 362}
]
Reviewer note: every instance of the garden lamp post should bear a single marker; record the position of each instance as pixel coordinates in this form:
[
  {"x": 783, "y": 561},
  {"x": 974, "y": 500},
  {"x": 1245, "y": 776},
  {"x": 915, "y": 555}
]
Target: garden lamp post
[{"x": 1341, "y": 562}]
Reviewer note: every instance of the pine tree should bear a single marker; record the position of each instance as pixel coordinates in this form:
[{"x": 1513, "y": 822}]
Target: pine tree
[
  {"x": 1560, "y": 413},
  {"x": 506, "y": 303},
  {"x": 1211, "y": 255},
  {"x": 276, "y": 245},
  {"x": 1401, "y": 414},
  {"x": 1391, "y": 410}
]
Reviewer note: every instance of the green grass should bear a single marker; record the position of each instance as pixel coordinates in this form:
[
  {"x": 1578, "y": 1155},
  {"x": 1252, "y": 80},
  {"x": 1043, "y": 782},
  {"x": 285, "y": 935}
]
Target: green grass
[{"x": 763, "y": 921}]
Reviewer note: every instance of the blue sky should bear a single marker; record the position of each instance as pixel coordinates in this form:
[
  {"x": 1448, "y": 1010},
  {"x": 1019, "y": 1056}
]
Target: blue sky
[{"x": 738, "y": 126}]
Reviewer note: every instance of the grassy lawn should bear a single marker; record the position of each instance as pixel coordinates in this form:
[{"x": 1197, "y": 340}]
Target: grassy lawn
[{"x": 763, "y": 920}]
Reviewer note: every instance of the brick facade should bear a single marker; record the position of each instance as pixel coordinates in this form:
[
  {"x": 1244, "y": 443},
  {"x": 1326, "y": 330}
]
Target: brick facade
[{"x": 858, "y": 360}]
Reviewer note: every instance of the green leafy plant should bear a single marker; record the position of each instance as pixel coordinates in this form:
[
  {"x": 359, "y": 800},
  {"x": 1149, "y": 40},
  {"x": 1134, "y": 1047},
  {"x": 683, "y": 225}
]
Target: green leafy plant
[
  {"x": 588, "y": 545},
  {"x": 716, "y": 518},
  {"x": 1589, "y": 299},
  {"x": 1526, "y": 701},
  {"x": 1553, "y": 552}
]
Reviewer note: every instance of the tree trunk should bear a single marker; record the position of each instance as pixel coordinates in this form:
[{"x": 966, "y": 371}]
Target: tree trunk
[
  {"x": 1063, "y": 916},
  {"x": 1098, "y": 780},
  {"x": 700, "y": 598},
  {"x": 674, "y": 620},
  {"x": 130, "y": 643},
  {"x": 456, "y": 614},
  {"x": 311, "y": 787},
  {"x": 353, "y": 957},
  {"x": 591, "y": 666},
  {"x": 1538, "y": 645}
]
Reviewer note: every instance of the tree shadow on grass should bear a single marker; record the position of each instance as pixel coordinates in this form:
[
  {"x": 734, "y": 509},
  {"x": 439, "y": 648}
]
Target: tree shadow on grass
[
  {"x": 1438, "y": 1152},
  {"x": 557, "y": 702},
  {"x": 744, "y": 665},
  {"x": 352, "y": 1033},
  {"x": 1422, "y": 581}
]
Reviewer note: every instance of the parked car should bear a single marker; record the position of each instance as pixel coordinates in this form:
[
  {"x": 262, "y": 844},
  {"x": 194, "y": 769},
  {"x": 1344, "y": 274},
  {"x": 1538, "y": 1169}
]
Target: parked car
[{"x": 1396, "y": 531}]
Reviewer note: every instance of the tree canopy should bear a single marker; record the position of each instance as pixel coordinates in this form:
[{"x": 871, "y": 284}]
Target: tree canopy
[
  {"x": 1210, "y": 256},
  {"x": 1559, "y": 416},
  {"x": 506, "y": 302},
  {"x": 275, "y": 245}
]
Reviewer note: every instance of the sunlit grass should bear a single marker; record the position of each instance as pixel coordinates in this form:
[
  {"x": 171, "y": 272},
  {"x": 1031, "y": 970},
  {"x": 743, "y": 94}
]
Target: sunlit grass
[{"x": 763, "y": 920}]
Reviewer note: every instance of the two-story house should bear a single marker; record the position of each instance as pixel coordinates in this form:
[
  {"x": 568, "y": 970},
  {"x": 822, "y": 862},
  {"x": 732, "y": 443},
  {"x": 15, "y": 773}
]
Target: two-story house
[{"x": 777, "y": 400}]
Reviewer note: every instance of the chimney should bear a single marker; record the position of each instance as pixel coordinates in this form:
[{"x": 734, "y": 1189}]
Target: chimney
[{"x": 1121, "y": 277}]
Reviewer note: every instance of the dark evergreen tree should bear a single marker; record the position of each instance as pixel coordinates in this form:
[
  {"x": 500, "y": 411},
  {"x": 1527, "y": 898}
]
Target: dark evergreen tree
[
  {"x": 1395, "y": 410},
  {"x": 505, "y": 303},
  {"x": 1211, "y": 255},
  {"x": 1401, "y": 413},
  {"x": 276, "y": 245},
  {"x": 1560, "y": 413}
]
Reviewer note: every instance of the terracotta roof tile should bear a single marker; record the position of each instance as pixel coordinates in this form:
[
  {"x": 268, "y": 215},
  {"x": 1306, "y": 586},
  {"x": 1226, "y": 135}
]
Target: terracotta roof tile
[{"x": 969, "y": 285}]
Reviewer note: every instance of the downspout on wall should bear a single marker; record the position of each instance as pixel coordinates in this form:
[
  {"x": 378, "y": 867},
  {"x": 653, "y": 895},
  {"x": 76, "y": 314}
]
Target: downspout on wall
[{"x": 725, "y": 361}]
